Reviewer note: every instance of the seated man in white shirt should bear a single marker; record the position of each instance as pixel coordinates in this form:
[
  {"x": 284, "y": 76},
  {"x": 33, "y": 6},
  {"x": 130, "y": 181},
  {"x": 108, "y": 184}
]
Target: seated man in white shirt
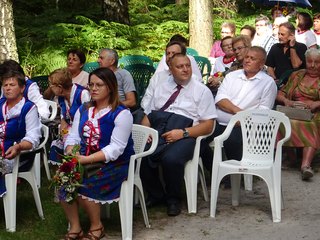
[
  {"x": 248, "y": 88},
  {"x": 193, "y": 102},
  {"x": 163, "y": 65}
]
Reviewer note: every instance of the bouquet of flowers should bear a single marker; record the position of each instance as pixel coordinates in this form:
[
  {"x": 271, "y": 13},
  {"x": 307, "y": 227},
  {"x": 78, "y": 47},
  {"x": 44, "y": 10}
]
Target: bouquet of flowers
[{"x": 68, "y": 177}]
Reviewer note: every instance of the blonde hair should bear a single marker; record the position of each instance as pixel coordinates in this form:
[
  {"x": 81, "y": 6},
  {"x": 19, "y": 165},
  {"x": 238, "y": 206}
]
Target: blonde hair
[{"x": 62, "y": 77}]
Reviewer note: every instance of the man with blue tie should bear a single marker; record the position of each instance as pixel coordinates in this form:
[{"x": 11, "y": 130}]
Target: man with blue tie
[{"x": 190, "y": 103}]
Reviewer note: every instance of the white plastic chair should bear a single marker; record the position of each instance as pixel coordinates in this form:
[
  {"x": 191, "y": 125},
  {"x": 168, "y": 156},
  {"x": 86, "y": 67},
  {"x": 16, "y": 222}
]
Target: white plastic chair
[
  {"x": 191, "y": 172},
  {"x": 260, "y": 158},
  {"x": 53, "y": 108},
  {"x": 9, "y": 199},
  {"x": 140, "y": 135},
  {"x": 42, "y": 152}
]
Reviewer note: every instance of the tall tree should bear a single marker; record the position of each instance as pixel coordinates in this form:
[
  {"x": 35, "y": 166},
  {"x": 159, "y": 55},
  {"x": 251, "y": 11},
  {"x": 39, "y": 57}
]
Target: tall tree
[
  {"x": 200, "y": 25},
  {"x": 8, "y": 46},
  {"x": 116, "y": 11}
]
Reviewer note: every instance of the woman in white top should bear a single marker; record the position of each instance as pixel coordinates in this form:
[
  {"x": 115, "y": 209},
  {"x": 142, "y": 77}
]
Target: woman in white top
[
  {"x": 303, "y": 33},
  {"x": 223, "y": 63}
]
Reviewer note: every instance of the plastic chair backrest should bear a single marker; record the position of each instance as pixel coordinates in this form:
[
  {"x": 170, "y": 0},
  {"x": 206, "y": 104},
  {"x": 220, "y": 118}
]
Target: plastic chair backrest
[
  {"x": 134, "y": 59},
  {"x": 42, "y": 82},
  {"x": 259, "y": 131},
  {"x": 53, "y": 108},
  {"x": 141, "y": 74},
  {"x": 192, "y": 52},
  {"x": 204, "y": 66},
  {"x": 90, "y": 66}
]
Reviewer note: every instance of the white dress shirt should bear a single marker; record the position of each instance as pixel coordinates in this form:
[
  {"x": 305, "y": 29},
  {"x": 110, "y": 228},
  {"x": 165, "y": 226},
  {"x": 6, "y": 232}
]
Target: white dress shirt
[
  {"x": 258, "y": 92},
  {"x": 119, "y": 137},
  {"x": 194, "y": 101}
]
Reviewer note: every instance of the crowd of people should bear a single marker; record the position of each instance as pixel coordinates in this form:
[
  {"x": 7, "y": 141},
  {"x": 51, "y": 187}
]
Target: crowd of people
[{"x": 266, "y": 64}]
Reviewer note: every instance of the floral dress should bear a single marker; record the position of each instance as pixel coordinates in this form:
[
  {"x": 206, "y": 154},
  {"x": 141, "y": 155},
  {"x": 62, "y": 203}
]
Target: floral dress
[{"x": 303, "y": 133}]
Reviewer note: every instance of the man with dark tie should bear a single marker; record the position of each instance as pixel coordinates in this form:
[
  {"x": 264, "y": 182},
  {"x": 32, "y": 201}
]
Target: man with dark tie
[{"x": 181, "y": 97}]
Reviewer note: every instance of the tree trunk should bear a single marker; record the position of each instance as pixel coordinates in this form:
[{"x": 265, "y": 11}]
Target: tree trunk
[
  {"x": 8, "y": 46},
  {"x": 200, "y": 26},
  {"x": 116, "y": 11}
]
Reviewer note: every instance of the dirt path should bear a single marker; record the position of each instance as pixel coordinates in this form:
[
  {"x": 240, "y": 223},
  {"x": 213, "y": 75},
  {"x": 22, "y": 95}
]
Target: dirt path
[{"x": 251, "y": 220}]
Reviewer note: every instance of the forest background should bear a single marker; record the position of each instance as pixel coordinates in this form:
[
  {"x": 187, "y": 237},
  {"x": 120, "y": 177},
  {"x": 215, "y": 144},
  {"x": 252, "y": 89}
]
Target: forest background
[{"x": 46, "y": 29}]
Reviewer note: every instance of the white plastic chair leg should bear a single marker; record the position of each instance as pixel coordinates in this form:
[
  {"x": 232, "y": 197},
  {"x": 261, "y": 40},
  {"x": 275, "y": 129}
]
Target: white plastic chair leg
[
  {"x": 235, "y": 188},
  {"x": 9, "y": 202},
  {"x": 140, "y": 195},
  {"x": 45, "y": 163},
  {"x": 203, "y": 181},
  {"x": 191, "y": 181},
  {"x": 248, "y": 180},
  {"x": 125, "y": 209},
  {"x": 33, "y": 183},
  {"x": 37, "y": 167}
]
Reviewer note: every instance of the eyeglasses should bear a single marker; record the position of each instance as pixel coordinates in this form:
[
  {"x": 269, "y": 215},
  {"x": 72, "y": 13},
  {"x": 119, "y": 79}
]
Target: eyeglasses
[
  {"x": 97, "y": 85},
  {"x": 225, "y": 32},
  {"x": 260, "y": 25},
  {"x": 239, "y": 48}
]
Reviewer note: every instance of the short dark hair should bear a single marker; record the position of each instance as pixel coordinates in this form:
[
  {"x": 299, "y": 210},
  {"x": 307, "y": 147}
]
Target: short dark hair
[
  {"x": 79, "y": 53},
  {"x": 11, "y": 68},
  {"x": 251, "y": 29},
  {"x": 288, "y": 26},
  {"x": 179, "y": 38},
  {"x": 305, "y": 21},
  {"x": 110, "y": 80},
  {"x": 11, "y": 64},
  {"x": 14, "y": 74},
  {"x": 182, "y": 47},
  {"x": 223, "y": 39},
  {"x": 316, "y": 16}
]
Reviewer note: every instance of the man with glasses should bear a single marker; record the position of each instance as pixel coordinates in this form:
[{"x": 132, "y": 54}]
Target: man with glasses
[
  {"x": 109, "y": 58},
  {"x": 263, "y": 36}
]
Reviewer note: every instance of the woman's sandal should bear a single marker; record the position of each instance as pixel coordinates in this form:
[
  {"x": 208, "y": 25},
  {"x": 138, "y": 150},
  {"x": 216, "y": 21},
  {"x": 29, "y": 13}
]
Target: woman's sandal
[
  {"x": 73, "y": 235},
  {"x": 91, "y": 236}
]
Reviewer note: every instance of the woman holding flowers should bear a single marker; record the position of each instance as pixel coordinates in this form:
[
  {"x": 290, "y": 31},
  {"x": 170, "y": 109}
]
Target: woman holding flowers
[
  {"x": 20, "y": 126},
  {"x": 70, "y": 97},
  {"x": 103, "y": 130}
]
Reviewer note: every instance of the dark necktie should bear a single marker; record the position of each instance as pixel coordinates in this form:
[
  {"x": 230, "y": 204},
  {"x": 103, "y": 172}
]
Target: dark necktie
[{"x": 172, "y": 98}]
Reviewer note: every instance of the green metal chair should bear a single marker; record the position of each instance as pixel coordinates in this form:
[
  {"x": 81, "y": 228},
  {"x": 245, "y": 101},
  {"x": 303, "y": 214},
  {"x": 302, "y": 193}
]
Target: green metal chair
[
  {"x": 141, "y": 74},
  {"x": 42, "y": 82},
  {"x": 90, "y": 66},
  {"x": 192, "y": 52},
  {"x": 204, "y": 66},
  {"x": 134, "y": 59}
]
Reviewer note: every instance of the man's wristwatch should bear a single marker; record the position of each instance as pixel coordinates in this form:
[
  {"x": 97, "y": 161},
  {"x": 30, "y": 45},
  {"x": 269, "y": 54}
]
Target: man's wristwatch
[{"x": 185, "y": 133}]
